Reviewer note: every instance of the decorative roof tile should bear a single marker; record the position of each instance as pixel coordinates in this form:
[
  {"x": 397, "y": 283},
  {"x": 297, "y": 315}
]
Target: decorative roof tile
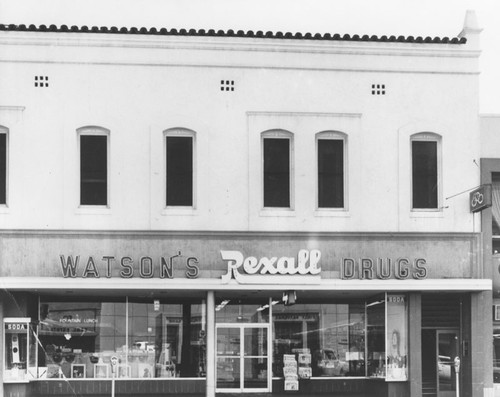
[{"x": 232, "y": 33}]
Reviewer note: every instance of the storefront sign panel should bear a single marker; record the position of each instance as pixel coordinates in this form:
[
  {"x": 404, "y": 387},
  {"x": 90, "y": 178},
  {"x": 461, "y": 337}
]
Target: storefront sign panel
[{"x": 351, "y": 256}]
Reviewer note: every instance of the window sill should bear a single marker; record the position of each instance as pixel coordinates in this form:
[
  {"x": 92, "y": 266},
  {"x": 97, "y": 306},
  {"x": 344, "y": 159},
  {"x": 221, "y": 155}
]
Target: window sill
[
  {"x": 4, "y": 209},
  {"x": 424, "y": 213},
  {"x": 331, "y": 212},
  {"x": 286, "y": 212},
  {"x": 179, "y": 211},
  {"x": 93, "y": 210},
  {"x": 16, "y": 381}
]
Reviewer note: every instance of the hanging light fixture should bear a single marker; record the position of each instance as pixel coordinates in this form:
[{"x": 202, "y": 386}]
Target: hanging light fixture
[{"x": 289, "y": 298}]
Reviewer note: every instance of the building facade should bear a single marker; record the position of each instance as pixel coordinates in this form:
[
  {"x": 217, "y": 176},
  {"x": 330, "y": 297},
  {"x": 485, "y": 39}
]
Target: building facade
[
  {"x": 203, "y": 212},
  {"x": 490, "y": 172}
]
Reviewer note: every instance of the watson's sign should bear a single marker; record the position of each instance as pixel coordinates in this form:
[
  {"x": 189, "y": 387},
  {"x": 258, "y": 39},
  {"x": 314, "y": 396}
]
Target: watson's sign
[
  {"x": 252, "y": 270},
  {"x": 304, "y": 268},
  {"x": 145, "y": 266}
]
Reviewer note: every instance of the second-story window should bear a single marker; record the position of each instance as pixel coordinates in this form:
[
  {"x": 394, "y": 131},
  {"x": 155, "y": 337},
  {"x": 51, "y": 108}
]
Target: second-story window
[
  {"x": 93, "y": 167},
  {"x": 330, "y": 146},
  {"x": 3, "y": 166},
  {"x": 277, "y": 169},
  {"x": 425, "y": 171},
  {"x": 179, "y": 172}
]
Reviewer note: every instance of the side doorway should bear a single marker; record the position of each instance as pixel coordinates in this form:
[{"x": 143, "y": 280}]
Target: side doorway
[{"x": 439, "y": 349}]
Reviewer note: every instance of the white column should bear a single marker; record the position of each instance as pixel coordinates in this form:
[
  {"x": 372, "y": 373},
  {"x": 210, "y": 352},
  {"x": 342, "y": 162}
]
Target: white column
[{"x": 210, "y": 344}]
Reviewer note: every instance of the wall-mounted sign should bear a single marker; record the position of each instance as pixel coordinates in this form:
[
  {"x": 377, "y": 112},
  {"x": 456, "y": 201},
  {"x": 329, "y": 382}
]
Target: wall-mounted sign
[
  {"x": 145, "y": 267},
  {"x": 396, "y": 338},
  {"x": 480, "y": 198},
  {"x": 305, "y": 268},
  {"x": 265, "y": 269},
  {"x": 383, "y": 268}
]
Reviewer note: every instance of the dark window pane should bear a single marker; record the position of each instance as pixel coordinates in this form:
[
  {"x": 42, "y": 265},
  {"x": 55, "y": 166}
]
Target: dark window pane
[
  {"x": 3, "y": 168},
  {"x": 93, "y": 170},
  {"x": 330, "y": 173},
  {"x": 276, "y": 172},
  {"x": 424, "y": 174},
  {"x": 180, "y": 171}
]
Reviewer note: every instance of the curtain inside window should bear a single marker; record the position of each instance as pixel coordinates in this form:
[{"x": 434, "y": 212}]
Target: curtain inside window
[{"x": 495, "y": 198}]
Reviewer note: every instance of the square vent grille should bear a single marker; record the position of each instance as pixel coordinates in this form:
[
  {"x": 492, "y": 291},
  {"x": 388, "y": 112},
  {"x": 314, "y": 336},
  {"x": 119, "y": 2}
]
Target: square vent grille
[
  {"x": 41, "y": 81},
  {"x": 378, "y": 89},
  {"x": 227, "y": 85}
]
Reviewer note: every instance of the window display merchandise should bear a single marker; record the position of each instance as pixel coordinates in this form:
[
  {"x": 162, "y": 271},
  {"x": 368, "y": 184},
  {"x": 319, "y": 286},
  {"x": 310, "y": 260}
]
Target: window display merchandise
[{"x": 78, "y": 339}]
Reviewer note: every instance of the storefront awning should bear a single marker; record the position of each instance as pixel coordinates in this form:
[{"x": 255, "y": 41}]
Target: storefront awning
[{"x": 197, "y": 287}]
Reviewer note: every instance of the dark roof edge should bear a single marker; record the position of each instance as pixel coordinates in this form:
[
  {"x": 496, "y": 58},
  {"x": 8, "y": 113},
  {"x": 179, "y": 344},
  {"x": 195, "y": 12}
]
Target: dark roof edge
[{"x": 232, "y": 33}]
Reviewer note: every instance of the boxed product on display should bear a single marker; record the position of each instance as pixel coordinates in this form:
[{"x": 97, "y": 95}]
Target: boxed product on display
[
  {"x": 290, "y": 372},
  {"x": 304, "y": 359},
  {"x": 291, "y": 385},
  {"x": 305, "y": 372}
]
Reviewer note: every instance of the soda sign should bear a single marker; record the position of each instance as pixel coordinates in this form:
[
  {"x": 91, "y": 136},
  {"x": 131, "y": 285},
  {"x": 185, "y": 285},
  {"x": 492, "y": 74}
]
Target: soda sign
[{"x": 15, "y": 327}]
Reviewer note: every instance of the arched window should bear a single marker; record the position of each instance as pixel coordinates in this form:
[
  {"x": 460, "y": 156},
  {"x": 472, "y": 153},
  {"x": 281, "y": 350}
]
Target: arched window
[
  {"x": 331, "y": 158},
  {"x": 277, "y": 149},
  {"x": 180, "y": 147},
  {"x": 94, "y": 144},
  {"x": 3, "y": 165},
  {"x": 425, "y": 170}
]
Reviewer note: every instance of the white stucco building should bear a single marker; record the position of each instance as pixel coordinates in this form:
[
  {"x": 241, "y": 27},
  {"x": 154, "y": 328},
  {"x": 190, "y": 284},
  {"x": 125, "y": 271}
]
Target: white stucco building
[{"x": 165, "y": 193}]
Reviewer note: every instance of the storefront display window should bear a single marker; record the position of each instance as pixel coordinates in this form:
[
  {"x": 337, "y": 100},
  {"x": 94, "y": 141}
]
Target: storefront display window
[
  {"x": 168, "y": 342},
  {"x": 149, "y": 340},
  {"x": 332, "y": 334},
  {"x": 375, "y": 336}
]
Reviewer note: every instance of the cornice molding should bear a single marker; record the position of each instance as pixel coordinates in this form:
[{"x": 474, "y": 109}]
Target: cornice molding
[
  {"x": 301, "y": 114},
  {"x": 247, "y": 44},
  {"x": 236, "y": 234}
]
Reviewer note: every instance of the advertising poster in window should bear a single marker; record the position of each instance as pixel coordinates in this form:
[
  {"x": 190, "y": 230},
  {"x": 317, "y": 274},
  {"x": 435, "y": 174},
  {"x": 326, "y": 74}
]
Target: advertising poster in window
[{"x": 396, "y": 338}]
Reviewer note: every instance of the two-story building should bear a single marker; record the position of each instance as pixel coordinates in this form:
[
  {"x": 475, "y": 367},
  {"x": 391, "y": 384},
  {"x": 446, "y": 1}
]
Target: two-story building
[{"x": 206, "y": 212}]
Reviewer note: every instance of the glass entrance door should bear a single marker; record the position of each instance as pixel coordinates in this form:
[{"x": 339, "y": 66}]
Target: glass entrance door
[
  {"x": 243, "y": 358},
  {"x": 447, "y": 349}
]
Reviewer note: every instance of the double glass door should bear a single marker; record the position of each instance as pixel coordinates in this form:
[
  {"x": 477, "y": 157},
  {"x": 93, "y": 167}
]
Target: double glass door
[{"x": 243, "y": 358}]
